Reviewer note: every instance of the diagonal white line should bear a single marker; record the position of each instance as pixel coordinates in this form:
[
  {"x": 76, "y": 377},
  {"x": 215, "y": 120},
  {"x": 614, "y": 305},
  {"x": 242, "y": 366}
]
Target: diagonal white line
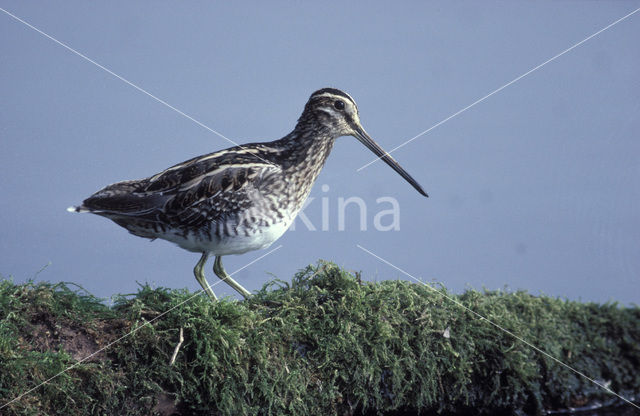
[
  {"x": 198, "y": 293},
  {"x": 499, "y": 327},
  {"x": 501, "y": 88},
  {"x": 142, "y": 90}
]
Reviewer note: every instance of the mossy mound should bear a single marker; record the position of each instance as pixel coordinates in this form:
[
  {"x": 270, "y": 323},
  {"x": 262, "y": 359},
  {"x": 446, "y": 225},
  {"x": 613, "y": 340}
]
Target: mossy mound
[{"x": 327, "y": 343}]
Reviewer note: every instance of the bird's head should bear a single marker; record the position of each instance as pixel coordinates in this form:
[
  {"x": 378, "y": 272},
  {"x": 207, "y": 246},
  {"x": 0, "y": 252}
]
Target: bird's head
[
  {"x": 333, "y": 111},
  {"x": 335, "y": 114}
]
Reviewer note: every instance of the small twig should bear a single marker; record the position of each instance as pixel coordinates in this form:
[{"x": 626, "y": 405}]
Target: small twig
[
  {"x": 175, "y": 351},
  {"x": 42, "y": 269}
]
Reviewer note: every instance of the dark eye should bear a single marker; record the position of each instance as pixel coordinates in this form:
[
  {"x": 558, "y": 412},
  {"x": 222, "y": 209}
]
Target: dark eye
[{"x": 339, "y": 105}]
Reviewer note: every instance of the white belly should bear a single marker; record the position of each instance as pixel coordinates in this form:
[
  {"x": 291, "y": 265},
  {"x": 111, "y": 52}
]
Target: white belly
[{"x": 257, "y": 239}]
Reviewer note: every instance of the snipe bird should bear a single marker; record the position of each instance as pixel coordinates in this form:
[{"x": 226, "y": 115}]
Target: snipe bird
[{"x": 239, "y": 199}]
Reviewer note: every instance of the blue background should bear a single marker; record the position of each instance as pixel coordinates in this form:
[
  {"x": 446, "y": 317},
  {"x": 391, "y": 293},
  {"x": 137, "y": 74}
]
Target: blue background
[{"x": 536, "y": 187}]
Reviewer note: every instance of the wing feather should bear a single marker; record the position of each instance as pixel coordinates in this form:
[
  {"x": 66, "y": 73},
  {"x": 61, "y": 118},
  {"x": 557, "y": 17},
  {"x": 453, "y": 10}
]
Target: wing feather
[
  {"x": 194, "y": 170},
  {"x": 217, "y": 196},
  {"x": 193, "y": 193}
]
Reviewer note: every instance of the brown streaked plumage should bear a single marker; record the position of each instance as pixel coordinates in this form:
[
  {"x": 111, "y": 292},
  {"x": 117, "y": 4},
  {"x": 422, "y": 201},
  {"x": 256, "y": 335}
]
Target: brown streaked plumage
[{"x": 239, "y": 199}]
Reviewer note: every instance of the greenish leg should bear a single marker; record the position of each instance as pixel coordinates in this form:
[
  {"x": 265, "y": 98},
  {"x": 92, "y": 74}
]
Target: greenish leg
[
  {"x": 218, "y": 269},
  {"x": 198, "y": 271}
]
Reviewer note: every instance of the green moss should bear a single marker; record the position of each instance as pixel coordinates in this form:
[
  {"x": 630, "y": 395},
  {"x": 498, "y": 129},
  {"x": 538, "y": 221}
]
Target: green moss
[{"x": 327, "y": 343}]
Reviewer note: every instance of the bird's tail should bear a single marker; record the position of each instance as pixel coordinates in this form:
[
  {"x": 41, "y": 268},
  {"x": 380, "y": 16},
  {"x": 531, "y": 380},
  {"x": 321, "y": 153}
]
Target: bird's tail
[{"x": 80, "y": 208}]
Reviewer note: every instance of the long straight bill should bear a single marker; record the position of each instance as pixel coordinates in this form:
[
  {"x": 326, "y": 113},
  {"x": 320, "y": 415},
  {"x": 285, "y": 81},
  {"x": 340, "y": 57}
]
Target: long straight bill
[{"x": 378, "y": 151}]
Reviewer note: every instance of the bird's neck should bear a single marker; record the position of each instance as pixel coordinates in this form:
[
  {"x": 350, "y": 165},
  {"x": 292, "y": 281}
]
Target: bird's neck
[
  {"x": 306, "y": 151},
  {"x": 302, "y": 157}
]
